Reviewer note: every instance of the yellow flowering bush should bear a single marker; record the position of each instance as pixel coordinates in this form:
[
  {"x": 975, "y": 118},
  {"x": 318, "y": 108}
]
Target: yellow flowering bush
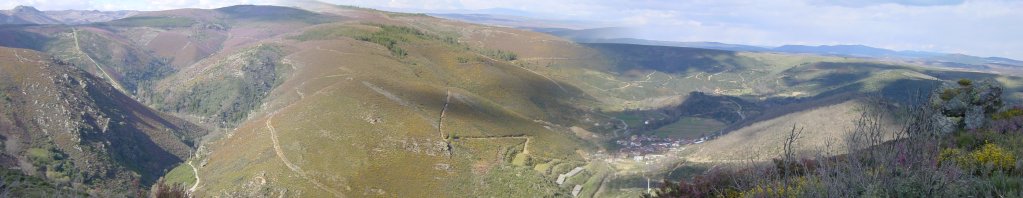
[
  {"x": 994, "y": 156},
  {"x": 989, "y": 155},
  {"x": 776, "y": 189}
]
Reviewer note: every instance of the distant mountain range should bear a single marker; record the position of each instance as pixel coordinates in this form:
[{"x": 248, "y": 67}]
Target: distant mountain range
[
  {"x": 571, "y": 30},
  {"x": 24, "y": 15},
  {"x": 517, "y": 19},
  {"x": 962, "y": 61}
]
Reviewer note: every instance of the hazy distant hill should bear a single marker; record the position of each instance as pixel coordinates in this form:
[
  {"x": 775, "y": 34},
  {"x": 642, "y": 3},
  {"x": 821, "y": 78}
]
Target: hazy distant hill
[
  {"x": 846, "y": 50},
  {"x": 26, "y": 15},
  {"x": 514, "y": 20},
  {"x": 88, "y": 16},
  {"x": 30, "y": 15},
  {"x": 704, "y": 45}
]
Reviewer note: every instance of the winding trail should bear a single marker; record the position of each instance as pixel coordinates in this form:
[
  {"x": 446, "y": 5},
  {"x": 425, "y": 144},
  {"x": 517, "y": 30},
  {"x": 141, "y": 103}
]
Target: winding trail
[
  {"x": 739, "y": 110},
  {"x": 293, "y": 167},
  {"x": 625, "y": 124},
  {"x": 74, "y": 32},
  {"x": 440, "y": 122},
  {"x": 20, "y": 59},
  {"x": 196, "y": 184}
]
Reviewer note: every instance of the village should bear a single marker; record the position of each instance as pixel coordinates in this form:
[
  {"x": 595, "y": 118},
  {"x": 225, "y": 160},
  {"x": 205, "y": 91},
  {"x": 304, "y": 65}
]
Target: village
[{"x": 639, "y": 147}]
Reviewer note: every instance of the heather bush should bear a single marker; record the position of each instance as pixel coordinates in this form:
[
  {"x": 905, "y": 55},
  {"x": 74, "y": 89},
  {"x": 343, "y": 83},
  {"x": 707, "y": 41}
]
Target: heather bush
[{"x": 1009, "y": 121}]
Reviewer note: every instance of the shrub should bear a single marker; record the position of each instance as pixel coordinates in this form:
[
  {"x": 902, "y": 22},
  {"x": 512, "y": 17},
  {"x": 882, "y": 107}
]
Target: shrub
[
  {"x": 994, "y": 156},
  {"x": 500, "y": 55},
  {"x": 989, "y": 156},
  {"x": 965, "y": 82},
  {"x": 164, "y": 190},
  {"x": 948, "y": 94},
  {"x": 795, "y": 167},
  {"x": 713, "y": 183},
  {"x": 954, "y": 155},
  {"x": 1007, "y": 114},
  {"x": 794, "y": 188}
]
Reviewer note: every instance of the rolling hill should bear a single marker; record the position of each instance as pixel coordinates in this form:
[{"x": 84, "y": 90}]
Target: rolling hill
[
  {"x": 27, "y": 15},
  {"x": 321, "y": 100}
]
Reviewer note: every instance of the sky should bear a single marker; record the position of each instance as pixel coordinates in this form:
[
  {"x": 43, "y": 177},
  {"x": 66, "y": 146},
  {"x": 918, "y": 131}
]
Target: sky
[{"x": 975, "y": 27}]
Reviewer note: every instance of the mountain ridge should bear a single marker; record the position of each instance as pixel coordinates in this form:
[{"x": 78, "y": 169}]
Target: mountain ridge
[{"x": 27, "y": 15}]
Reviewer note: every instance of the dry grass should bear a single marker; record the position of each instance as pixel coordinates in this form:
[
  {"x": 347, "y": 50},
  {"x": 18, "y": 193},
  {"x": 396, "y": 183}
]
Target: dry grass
[{"x": 826, "y": 127}]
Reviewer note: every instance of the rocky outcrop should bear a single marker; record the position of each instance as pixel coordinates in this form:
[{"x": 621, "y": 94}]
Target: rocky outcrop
[{"x": 966, "y": 104}]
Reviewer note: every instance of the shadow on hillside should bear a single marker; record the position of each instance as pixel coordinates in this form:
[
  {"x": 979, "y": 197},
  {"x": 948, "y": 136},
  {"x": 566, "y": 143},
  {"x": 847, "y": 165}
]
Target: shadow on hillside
[
  {"x": 276, "y": 13},
  {"x": 16, "y": 36},
  {"x": 564, "y": 105},
  {"x": 830, "y": 74},
  {"x": 137, "y": 145},
  {"x": 722, "y": 108},
  {"x": 672, "y": 60}
]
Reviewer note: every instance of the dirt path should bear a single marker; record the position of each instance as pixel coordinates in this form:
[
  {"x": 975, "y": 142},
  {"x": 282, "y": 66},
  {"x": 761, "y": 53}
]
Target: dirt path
[
  {"x": 626, "y": 125},
  {"x": 196, "y": 184},
  {"x": 335, "y": 51},
  {"x": 74, "y": 32},
  {"x": 20, "y": 59},
  {"x": 738, "y": 110},
  {"x": 525, "y": 148},
  {"x": 443, "y": 111},
  {"x": 293, "y": 167}
]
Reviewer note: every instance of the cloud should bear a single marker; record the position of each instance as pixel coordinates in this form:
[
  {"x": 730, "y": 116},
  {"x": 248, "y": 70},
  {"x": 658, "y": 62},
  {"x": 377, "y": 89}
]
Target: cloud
[{"x": 128, "y": 4}]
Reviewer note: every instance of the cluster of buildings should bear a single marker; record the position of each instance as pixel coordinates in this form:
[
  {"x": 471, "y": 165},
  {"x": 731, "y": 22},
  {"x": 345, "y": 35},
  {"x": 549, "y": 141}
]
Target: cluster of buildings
[{"x": 643, "y": 145}]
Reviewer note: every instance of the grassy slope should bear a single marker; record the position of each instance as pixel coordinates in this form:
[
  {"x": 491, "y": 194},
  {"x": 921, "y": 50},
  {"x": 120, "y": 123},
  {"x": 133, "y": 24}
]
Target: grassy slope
[{"x": 375, "y": 128}]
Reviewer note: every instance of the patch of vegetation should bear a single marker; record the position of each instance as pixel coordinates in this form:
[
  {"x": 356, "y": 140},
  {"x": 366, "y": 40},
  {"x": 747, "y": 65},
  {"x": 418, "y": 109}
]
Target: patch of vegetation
[
  {"x": 53, "y": 162},
  {"x": 169, "y": 190},
  {"x": 388, "y": 36},
  {"x": 965, "y": 82},
  {"x": 947, "y": 94},
  {"x": 181, "y": 175},
  {"x": 1008, "y": 114},
  {"x": 16, "y": 184},
  {"x": 3, "y": 95},
  {"x": 274, "y": 13},
  {"x": 326, "y": 33},
  {"x": 499, "y": 54},
  {"x": 228, "y": 100}
]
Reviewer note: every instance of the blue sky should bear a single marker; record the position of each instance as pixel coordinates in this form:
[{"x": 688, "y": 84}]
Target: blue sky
[{"x": 975, "y": 27}]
